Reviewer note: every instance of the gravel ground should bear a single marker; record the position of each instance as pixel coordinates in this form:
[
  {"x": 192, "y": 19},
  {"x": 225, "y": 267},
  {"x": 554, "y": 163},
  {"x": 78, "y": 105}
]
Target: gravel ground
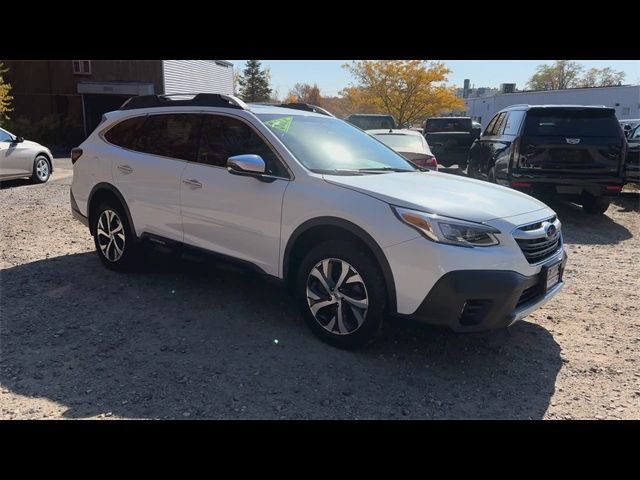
[{"x": 191, "y": 339}]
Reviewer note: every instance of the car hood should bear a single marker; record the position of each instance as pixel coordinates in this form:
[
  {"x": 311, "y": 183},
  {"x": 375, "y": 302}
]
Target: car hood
[{"x": 442, "y": 193}]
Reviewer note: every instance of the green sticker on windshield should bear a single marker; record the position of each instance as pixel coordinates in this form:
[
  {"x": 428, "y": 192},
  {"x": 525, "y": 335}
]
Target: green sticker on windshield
[{"x": 281, "y": 124}]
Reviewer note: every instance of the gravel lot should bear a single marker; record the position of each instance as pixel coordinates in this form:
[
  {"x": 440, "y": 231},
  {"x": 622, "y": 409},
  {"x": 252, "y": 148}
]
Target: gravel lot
[{"x": 191, "y": 339}]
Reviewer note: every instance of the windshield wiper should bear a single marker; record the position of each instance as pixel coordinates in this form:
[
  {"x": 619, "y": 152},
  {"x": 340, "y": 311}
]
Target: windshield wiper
[{"x": 385, "y": 169}]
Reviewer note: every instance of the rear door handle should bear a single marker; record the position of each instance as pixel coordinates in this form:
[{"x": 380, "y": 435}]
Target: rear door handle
[
  {"x": 125, "y": 169},
  {"x": 193, "y": 183}
]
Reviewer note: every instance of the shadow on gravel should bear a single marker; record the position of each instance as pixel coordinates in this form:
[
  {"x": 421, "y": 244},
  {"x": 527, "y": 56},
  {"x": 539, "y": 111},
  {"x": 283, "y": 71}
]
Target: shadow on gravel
[
  {"x": 581, "y": 228},
  {"x": 15, "y": 183},
  {"x": 192, "y": 340}
]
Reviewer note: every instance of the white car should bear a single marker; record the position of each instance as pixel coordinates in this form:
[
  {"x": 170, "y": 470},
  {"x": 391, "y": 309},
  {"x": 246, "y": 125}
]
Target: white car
[
  {"x": 356, "y": 232},
  {"x": 20, "y": 158},
  {"x": 408, "y": 143}
]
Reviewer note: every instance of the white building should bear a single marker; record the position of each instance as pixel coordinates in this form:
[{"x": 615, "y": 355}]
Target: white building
[
  {"x": 202, "y": 76},
  {"x": 625, "y": 99}
]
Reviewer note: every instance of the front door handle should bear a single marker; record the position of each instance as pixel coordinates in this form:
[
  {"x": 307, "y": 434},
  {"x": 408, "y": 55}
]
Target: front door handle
[
  {"x": 193, "y": 183},
  {"x": 125, "y": 169}
]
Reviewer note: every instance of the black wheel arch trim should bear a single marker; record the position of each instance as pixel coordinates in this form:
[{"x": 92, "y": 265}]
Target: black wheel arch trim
[
  {"x": 358, "y": 232},
  {"x": 107, "y": 186}
]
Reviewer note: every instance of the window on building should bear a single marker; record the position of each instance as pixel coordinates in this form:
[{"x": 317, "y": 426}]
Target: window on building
[{"x": 81, "y": 67}]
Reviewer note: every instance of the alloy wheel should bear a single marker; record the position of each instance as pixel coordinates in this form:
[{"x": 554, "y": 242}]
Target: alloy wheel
[
  {"x": 110, "y": 235},
  {"x": 337, "y": 296},
  {"x": 42, "y": 169}
]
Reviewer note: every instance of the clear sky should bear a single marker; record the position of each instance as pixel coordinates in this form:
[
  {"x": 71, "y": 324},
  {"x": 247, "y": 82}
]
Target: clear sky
[{"x": 331, "y": 78}]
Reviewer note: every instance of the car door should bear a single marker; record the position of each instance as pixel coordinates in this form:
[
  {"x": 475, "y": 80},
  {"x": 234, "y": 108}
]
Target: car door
[
  {"x": 505, "y": 144},
  {"x": 494, "y": 146},
  {"x": 147, "y": 172},
  {"x": 233, "y": 215},
  {"x": 15, "y": 159},
  {"x": 480, "y": 150}
]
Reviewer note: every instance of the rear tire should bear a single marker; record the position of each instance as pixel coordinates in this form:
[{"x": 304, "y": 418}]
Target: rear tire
[
  {"x": 41, "y": 169},
  {"x": 341, "y": 294},
  {"x": 595, "y": 205},
  {"x": 116, "y": 244},
  {"x": 491, "y": 176}
]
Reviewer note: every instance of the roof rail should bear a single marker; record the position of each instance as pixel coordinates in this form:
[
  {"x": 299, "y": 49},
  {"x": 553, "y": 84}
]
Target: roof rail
[
  {"x": 197, "y": 100},
  {"x": 307, "y": 107}
]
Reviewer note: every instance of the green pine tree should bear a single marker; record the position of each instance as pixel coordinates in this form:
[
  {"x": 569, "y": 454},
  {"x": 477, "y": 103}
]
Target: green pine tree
[{"x": 254, "y": 83}]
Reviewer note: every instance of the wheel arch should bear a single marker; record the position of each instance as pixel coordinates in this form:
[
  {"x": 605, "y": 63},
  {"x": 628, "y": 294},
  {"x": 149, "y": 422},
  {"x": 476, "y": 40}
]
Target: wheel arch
[
  {"x": 102, "y": 191},
  {"x": 46, "y": 155},
  {"x": 321, "y": 228}
]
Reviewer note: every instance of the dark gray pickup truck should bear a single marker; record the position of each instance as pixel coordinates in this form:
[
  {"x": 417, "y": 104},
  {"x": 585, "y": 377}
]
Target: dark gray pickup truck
[{"x": 450, "y": 139}]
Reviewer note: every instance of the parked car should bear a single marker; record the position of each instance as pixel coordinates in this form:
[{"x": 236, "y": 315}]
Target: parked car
[
  {"x": 20, "y": 158},
  {"x": 351, "y": 227},
  {"x": 450, "y": 139},
  {"x": 574, "y": 151},
  {"x": 370, "y": 121},
  {"x": 410, "y": 144},
  {"x": 628, "y": 125},
  {"x": 632, "y": 166}
]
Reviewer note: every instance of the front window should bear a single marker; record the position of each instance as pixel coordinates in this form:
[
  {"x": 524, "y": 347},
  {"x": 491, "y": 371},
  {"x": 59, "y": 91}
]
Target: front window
[
  {"x": 5, "y": 137},
  {"x": 328, "y": 145}
]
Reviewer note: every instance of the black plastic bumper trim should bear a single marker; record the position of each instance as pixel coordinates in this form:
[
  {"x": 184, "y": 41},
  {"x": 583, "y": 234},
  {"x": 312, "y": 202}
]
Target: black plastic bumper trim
[{"x": 445, "y": 303}]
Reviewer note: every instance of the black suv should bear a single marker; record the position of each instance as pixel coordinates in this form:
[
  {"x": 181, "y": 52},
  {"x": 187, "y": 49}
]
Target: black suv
[
  {"x": 574, "y": 151},
  {"x": 371, "y": 121}
]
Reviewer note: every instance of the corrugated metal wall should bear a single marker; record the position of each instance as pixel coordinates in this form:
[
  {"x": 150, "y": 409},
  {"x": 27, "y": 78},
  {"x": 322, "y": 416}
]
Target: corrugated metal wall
[{"x": 197, "y": 76}]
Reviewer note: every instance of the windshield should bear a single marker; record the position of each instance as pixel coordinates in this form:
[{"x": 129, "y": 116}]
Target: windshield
[
  {"x": 444, "y": 124},
  {"x": 329, "y": 145},
  {"x": 401, "y": 142}
]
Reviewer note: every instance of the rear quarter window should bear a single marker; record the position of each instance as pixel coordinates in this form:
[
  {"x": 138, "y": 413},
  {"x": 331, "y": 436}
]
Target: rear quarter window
[
  {"x": 572, "y": 123},
  {"x": 123, "y": 133}
]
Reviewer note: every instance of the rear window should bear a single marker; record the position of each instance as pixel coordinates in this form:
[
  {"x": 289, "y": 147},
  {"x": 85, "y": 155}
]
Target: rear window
[
  {"x": 366, "y": 122},
  {"x": 435, "y": 125},
  {"x": 572, "y": 123},
  {"x": 400, "y": 142}
]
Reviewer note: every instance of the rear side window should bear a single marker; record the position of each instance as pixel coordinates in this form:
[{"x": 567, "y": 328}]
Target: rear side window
[
  {"x": 514, "y": 120},
  {"x": 224, "y": 137},
  {"x": 171, "y": 135},
  {"x": 435, "y": 125},
  {"x": 123, "y": 133},
  {"x": 499, "y": 125},
  {"x": 572, "y": 123}
]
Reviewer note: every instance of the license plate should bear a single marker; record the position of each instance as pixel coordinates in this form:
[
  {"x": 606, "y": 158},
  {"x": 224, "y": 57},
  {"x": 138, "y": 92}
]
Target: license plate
[
  {"x": 568, "y": 189},
  {"x": 553, "y": 275}
]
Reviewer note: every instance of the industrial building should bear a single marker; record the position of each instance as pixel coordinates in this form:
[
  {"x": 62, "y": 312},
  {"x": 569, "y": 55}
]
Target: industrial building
[
  {"x": 625, "y": 99},
  {"x": 76, "y": 93}
]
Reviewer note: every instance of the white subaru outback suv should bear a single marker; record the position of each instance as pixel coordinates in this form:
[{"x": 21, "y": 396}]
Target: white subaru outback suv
[{"x": 353, "y": 229}]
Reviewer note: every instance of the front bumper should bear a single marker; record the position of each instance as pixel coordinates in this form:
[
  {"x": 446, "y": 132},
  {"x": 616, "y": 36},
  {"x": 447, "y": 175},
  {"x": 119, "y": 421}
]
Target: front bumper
[{"x": 476, "y": 300}]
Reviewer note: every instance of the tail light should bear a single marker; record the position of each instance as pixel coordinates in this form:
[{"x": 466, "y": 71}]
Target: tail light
[
  {"x": 520, "y": 184},
  {"x": 426, "y": 161},
  {"x": 76, "y": 153},
  {"x": 613, "y": 189}
]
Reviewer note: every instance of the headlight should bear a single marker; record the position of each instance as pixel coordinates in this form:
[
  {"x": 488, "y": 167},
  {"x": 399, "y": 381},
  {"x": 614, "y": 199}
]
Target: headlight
[{"x": 448, "y": 230}]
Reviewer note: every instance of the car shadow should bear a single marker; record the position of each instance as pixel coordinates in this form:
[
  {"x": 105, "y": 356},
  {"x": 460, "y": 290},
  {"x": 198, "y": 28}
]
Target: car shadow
[
  {"x": 15, "y": 183},
  {"x": 582, "y": 228},
  {"x": 193, "y": 339}
]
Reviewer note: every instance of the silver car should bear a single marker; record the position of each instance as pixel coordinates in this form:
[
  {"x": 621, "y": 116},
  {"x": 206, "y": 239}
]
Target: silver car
[{"x": 21, "y": 158}]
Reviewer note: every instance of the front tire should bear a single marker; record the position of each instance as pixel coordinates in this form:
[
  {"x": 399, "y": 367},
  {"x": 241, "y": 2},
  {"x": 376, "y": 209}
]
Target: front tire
[
  {"x": 341, "y": 294},
  {"x": 41, "y": 169},
  {"x": 114, "y": 240},
  {"x": 595, "y": 205}
]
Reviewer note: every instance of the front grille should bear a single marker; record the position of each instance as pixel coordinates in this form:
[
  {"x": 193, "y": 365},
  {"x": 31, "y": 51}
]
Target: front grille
[{"x": 534, "y": 242}]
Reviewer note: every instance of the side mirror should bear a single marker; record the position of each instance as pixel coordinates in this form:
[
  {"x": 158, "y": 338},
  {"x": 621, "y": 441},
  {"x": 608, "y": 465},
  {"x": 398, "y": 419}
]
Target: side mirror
[
  {"x": 18, "y": 140},
  {"x": 249, "y": 165}
]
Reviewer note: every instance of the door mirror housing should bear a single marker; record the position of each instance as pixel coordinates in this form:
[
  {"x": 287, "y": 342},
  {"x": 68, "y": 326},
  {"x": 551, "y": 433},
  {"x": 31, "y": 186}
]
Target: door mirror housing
[
  {"x": 18, "y": 140},
  {"x": 249, "y": 165}
]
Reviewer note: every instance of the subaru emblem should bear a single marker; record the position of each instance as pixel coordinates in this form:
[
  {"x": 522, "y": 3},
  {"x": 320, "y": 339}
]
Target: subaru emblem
[
  {"x": 551, "y": 231},
  {"x": 572, "y": 141}
]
